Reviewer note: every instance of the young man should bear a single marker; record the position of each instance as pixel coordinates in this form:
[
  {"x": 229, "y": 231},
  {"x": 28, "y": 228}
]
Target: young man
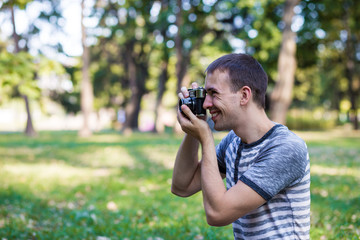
[{"x": 267, "y": 170}]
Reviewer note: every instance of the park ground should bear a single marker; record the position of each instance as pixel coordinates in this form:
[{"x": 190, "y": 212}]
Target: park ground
[{"x": 112, "y": 186}]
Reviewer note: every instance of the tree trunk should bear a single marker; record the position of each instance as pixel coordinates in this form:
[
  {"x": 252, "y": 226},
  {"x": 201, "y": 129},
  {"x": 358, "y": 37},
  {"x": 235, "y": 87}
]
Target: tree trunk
[
  {"x": 350, "y": 69},
  {"x": 180, "y": 64},
  {"x": 136, "y": 76},
  {"x": 87, "y": 96},
  {"x": 281, "y": 97},
  {"x": 131, "y": 121},
  {"x": 29, "y": 130},
  {"x": 15, "y": 35},
  {"x": 159, "y": 125}
]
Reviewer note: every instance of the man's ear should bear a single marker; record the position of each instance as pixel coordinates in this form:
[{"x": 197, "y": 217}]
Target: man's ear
[{"x": 245, "y": 95}]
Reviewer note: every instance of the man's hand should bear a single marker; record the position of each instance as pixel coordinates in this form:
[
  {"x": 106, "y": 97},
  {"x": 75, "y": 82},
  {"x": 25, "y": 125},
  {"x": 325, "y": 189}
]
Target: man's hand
[{"x": 191, "y": 124}]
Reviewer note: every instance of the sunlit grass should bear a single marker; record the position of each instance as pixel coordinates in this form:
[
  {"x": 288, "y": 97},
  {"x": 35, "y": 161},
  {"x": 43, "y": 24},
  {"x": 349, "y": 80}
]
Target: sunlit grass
[
  {"x": 335, "y": 171},
  {"x": 111, "y": 186},
  {"x": 335, "y": 177}
]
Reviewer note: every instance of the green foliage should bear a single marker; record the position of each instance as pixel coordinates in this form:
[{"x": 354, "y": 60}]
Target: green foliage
[
  {"x": 59, "y": 186},
  {"x": 68, "y": 98},
  {"x": 263, "y": 17},
  {"x": 20, "y": 3},
  {"x": 146, "y": 31},
  {"x": 324, "y": 43},
  {"x": 48, "y": 67},
  {"x": 17, "y": 72}
]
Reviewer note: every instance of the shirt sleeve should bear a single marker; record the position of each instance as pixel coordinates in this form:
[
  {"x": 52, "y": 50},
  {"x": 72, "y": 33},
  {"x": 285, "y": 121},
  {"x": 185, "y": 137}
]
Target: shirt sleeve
[{"x": 279, "y": 166}]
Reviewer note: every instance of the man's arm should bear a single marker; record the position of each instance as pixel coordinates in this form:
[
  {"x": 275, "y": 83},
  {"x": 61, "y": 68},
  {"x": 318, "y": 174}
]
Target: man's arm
[
  {"x": 222, "y": 206},
  {"x": 186, "y": 173}
]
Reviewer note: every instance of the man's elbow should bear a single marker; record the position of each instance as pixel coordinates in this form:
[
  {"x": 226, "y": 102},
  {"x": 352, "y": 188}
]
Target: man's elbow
[
  {"x": 216, "y": 219},
  {"x": 179, "y": 192}
]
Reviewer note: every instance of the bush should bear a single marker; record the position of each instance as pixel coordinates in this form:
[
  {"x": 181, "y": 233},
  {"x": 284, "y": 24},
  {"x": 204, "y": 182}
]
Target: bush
[{"x": 300, "y": 119}]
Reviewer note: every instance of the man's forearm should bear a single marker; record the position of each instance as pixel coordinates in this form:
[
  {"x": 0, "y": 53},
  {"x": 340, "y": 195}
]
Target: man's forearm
[
  {"x": 186, "y": 165},
  {"x": 211, "y": 181}
]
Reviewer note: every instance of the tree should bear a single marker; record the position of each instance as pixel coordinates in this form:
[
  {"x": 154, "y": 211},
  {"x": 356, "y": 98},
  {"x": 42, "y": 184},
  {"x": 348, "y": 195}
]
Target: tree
[
  {"x": 182, "y": 57},
  {"x": 281, "y": 96},
  {"x": 86, "y": 85},
  {"x": 194, "y": 21},
  {"x": 17, "y": 74},
  {"x": 130, "y": 39},
  {"x": 164, "y": 64},
  {"x": 329, "y": 41},
  {"x": 27, "y": 87},
  {"x": 352, "y": 29},
  {"x": 29, "y": 129},
  {"x": 254, "y": 28}
]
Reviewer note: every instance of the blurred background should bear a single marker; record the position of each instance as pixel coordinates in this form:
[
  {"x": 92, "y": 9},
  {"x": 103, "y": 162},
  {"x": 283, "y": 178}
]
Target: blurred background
[
  {"x": 118, "y": 64},
  {"x": 88, "y": 98}
]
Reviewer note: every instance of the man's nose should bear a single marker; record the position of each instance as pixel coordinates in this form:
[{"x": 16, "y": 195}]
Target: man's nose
[{"x": 207, "y": 103}]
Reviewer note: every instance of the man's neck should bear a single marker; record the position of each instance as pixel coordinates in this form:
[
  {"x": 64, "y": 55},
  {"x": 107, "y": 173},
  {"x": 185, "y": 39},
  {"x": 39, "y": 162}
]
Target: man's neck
[{"x": 256, "y": 126}]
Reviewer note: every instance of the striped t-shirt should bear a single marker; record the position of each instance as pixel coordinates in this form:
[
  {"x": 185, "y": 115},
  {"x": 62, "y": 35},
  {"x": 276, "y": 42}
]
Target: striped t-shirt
[{"x": 278, "y": 168}]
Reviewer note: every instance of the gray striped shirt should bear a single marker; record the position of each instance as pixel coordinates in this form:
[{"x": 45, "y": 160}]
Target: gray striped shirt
[{"x": 277, "y": 167}]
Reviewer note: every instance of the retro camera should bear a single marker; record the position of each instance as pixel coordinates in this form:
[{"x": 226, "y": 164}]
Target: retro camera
[{"x": 195, "y": 101}]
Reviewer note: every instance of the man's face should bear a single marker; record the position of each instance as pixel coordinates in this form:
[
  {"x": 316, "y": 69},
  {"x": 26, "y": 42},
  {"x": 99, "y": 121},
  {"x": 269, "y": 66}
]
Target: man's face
[{"x": 223, "y": 104}]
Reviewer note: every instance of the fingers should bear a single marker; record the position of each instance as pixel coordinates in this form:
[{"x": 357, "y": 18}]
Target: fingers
[
  {"x": 186, "y": 110},
  {"x": 194, "y": 85},
  {"x": 182, "y": 118},
  {"x": 192, "y": 125},
  {"x": 185, "y": 116},
  {"x": 184, "y": 93}
]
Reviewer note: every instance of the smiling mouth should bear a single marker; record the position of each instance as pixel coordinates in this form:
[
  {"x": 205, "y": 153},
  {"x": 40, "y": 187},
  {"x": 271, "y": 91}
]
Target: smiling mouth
[{"x": 214, "y": 114}]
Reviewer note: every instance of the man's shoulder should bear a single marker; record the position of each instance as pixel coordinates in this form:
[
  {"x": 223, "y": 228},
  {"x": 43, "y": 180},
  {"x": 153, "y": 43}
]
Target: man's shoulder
[
  {"x": 287, "y": 145},
  {"x": 284, "y": 137}
]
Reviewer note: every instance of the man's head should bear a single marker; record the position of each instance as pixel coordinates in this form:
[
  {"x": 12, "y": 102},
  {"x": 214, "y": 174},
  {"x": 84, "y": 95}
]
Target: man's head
[{"x": 243, "y": 70}]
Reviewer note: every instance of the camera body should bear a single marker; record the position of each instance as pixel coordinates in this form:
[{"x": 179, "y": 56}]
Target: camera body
[{"x": 195, "y": 101}]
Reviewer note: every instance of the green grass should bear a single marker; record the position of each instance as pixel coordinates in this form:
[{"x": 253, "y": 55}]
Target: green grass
[{"x": 111, "y": 186}]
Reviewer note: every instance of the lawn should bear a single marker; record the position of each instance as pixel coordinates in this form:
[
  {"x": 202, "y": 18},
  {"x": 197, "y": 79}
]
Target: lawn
[{"x": 111, "y": 186}]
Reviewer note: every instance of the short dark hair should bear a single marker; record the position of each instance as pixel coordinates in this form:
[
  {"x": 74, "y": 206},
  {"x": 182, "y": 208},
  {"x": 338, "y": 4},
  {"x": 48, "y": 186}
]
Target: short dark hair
[{"x": 243, "y": 70}]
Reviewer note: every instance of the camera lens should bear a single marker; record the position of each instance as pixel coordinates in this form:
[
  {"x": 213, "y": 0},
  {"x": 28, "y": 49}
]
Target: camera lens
[{"x": 188, "y": 102}]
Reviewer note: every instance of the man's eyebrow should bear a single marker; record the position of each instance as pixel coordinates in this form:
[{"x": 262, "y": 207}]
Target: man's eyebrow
[{"x": 211, "y": 89}]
